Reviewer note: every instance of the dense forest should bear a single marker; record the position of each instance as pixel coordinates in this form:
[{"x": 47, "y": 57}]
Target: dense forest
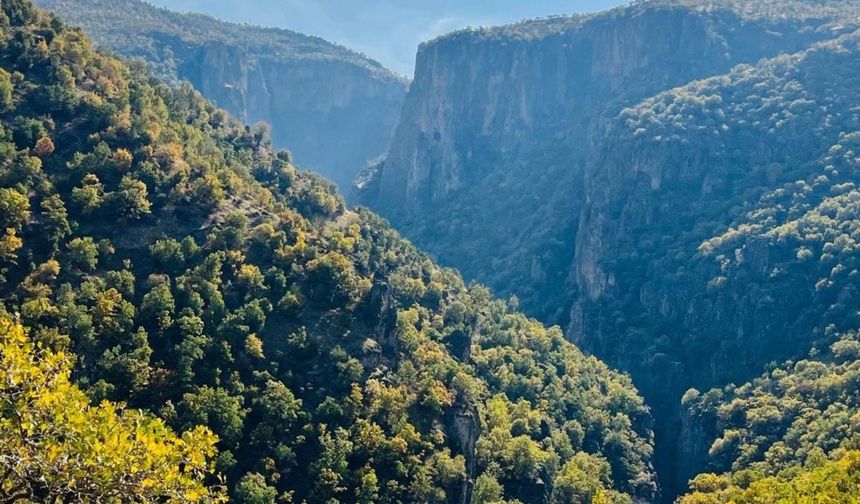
[
  {"x": 332, "y": 108},
  {"x": 186, "y": 316},
  {"x": 758, "y": 268},
  {"x": 174, "y": 287},
  {"x": 674, "y": 183}
]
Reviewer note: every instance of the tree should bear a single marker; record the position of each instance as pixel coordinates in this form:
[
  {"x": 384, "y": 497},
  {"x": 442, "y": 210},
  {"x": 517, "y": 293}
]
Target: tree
[
  {"x": 6, "y": 88},
  {"x": 279, "y": 404},
  {"x": 14, "y": 208},
  {"x": 56, "y": 447},
  {"x": 158, "y": 306},
  {"x": 487, "y": 490},
  {"x": 332, "y": 279},
  {"x": 90, "y": 195},
  {"x": 44, "y": 146},
  {"x": 216, "y": 408},
  {"x": 9, "y": 245},
  {"x": 168, "y": 253},
  {"x": 581, "y": 479},
  {"x": 55, "y": 219},
  {"x": 26, "y": 131},
  {"x": 252, "y": 489},
  {"x": 368, "y": 491},
  {"x": 123, "y": 159},
  {"x": 83, "y": 253},
  {"x": 131, "y": 198}
]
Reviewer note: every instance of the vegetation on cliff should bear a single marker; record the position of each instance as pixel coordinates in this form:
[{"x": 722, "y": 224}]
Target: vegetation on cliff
[
  {"x": 795, "y": 416},
  {"x": 690, "y": 222},
  {"x": 824, "y": 481}
]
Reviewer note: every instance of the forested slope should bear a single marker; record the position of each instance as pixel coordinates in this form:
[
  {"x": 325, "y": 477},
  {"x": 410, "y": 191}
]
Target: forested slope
[
  {"x": 671, "y": 181},
  {"x": 194, "y": 272},
  {"x": 732, "y": 190},
  {"x": 333, "y": 108}
]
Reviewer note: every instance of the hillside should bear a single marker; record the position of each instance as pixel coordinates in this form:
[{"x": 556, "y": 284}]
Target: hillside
[
  {"x": 486, "y": 167},
  {"x": 334, "y": 109},
  {"x": 624, "y": 174},
  {"x": 735, "y": 199},
  {"x": 195, "y": 273}
]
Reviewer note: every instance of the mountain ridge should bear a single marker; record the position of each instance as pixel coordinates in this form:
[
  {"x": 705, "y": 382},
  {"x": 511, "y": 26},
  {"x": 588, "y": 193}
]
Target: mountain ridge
[{"x": 305, "y": 88}]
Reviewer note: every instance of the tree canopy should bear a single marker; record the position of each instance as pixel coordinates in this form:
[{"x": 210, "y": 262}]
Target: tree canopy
[{"x": 195, "y": 273}]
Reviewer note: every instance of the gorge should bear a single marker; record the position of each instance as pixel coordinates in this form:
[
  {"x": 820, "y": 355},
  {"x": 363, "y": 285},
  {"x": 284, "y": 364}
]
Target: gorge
[{"x": 669, "y": 188}]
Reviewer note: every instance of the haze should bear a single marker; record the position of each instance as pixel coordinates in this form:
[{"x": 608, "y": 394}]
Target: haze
[{"x": 388, "y": 31}]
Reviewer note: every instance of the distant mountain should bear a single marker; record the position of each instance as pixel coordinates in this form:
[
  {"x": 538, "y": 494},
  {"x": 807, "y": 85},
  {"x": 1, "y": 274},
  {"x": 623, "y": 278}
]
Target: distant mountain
[
  {"x": 335, "y": 109},
  {"x": 195, "y": 273},
  {"x": 583, "y": 166},
  {"x": 390, "y": 30}
]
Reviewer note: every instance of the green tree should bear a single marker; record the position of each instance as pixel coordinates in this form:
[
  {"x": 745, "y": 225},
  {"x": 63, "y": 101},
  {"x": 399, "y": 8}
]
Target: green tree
[
  {"x": 131, "y": 198},
  {"x": 90, "y": 195},
  {"x": 581, "y": 479},
  {"x": 252, "y": 489},
  {"x": 6, "y": 89},
  {"x": 158, "y": 305},
  {"x": 487, "y": 490},
  {"x": 55, "y": 219},
  {"x": 83, "y": 253},
  {"x": 216, "y": 408}
]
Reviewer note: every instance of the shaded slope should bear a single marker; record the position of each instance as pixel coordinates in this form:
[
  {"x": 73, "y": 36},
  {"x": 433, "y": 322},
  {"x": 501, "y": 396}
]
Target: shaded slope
[{"x": 662, "y": 298}]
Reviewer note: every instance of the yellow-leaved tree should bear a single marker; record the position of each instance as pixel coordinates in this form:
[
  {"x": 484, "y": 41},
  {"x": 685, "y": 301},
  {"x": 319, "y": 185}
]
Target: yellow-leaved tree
[
  {"x": 57, "y": 447},
  {"x": 836, "y": 482}
]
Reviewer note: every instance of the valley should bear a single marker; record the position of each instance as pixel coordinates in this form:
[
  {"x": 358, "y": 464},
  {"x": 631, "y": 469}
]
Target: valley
[{"x": 661, "y": 200}]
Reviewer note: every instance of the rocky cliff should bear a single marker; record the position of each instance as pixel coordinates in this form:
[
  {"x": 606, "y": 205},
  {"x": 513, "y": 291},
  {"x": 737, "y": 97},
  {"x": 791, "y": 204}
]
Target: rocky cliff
[
  {"x": 498, "y": 123},
  {"x": 334, "y": 109},
  {"x": 690, "y": 256},
  {"x": 482, "y": 96},
  {"x": 527, "y": 156}
]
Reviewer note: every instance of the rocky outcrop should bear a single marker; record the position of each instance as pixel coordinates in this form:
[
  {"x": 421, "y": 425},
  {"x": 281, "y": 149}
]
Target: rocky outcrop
[
  {"x": 334, "y": 109},
  {"x": 464, "y": 430},
  {"x": 486, "y": 168},
  {"x": 514, "y": 161},
  {"x": 483, "y": 100}
]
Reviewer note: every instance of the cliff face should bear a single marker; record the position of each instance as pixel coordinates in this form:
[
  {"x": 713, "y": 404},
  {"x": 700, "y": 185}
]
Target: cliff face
[
  {"x": 486, "y": 167},
  {"x": 334, "y": 109},
  {"x": 735, "y": 192},
  {"x": 483, "y": 99},
  {"x": 333, "y": 115},
  {"x": 516, "y": 161}
]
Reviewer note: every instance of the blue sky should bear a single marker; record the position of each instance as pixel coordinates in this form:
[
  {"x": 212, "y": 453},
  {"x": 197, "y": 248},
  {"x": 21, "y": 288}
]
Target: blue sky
[{"x": 388, "y": 31}]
